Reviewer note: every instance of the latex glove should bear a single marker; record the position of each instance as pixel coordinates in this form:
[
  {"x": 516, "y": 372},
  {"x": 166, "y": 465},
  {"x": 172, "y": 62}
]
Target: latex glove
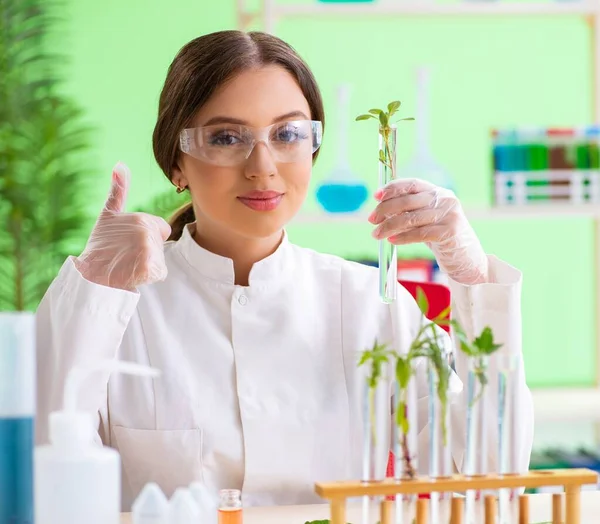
[
  {"x": 412, "y": 210},
  {"x": 124, "y": 250}
]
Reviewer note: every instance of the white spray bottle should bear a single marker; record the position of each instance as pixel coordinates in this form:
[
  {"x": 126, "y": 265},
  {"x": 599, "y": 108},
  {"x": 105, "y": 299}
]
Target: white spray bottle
[{"x": 76, "y": 480}]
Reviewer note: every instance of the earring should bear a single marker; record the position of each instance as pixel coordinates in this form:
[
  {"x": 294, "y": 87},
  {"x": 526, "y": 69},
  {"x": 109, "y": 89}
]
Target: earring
[{"x": 180, "y": 189}]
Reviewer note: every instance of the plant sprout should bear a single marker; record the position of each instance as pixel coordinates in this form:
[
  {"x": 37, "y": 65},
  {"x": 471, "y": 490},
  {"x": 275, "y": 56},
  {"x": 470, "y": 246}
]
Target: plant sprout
[
  {"x": 384, "y": 118},
  {"x": 428, "y": 343},
  {"x": 375, "y": 357}
]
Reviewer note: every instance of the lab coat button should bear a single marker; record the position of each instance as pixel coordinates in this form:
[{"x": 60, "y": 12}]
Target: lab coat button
[{"x": 243, "y": 300}]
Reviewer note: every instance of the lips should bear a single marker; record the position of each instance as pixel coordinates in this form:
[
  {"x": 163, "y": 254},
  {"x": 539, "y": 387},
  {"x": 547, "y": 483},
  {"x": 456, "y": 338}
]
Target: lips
[
  {"x": 261, "y": 195},
  {"x": 261, "y": 200}
]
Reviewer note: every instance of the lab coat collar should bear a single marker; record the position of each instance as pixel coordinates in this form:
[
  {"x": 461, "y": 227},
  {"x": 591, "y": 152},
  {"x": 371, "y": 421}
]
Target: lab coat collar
[{"x": 264, "y": 273}]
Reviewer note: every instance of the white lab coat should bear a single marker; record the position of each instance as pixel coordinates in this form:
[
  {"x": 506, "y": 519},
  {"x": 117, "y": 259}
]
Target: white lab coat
[{"x": 259, "y": 389}]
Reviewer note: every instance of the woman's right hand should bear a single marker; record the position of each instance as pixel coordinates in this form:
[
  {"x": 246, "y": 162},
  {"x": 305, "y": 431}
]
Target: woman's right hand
[{"x": 124, "y": 250}]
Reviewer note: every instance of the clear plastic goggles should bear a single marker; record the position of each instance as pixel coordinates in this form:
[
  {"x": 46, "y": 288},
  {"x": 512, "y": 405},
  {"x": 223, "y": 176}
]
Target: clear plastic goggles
[{"x": 232, "y": 144}]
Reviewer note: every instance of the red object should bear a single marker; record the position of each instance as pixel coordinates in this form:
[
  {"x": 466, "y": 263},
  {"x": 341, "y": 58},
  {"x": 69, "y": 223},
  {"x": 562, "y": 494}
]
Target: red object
[{"x": 439, "y": 299}]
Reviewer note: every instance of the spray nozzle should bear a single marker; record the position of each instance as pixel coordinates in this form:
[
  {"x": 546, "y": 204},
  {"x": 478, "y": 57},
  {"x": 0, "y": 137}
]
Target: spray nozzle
[{"x": 71, "y": 426}]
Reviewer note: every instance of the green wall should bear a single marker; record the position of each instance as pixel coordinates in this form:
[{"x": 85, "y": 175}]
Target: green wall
[{"x": 486, "y": 72}]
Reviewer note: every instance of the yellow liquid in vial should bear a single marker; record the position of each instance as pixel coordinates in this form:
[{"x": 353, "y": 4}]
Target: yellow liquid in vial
[{"x": 230, "y": 515}]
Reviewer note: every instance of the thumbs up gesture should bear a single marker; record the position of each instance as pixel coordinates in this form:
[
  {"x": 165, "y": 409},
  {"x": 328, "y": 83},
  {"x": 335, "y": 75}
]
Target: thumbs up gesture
[{"x": 124, "y": 250}]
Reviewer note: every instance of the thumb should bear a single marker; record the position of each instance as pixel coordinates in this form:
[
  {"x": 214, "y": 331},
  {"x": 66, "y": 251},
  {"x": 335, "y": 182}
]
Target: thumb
[{"x": 118, "y": 188}]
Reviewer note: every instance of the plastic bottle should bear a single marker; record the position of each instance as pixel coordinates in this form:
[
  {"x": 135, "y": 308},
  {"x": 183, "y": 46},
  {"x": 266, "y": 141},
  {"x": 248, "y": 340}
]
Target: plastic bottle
[
  {"x": 17, "y": 409},
  {"x": 151, "y": 506},
  {"x": 207, "y": 505},
  {"x": 183, "y": 508},
  {"x": 77, "y": 480}
]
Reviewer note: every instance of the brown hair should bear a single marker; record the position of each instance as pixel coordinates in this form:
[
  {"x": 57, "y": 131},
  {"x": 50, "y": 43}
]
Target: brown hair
[{"x": 201, "y": 67}]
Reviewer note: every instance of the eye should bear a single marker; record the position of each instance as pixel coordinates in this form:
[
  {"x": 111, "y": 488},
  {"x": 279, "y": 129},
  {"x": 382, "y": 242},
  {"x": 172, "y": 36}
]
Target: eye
[
  {"x": 289, "y": 133},
  {"x": 224, "y": 138}
]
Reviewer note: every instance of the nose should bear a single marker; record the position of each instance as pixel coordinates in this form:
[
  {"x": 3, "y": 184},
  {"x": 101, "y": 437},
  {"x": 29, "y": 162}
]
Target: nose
[{"x": 260, "y": 163}]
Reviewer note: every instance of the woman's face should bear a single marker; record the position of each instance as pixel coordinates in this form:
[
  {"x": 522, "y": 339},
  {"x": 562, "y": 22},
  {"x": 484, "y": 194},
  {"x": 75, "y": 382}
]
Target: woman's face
[{"x": 258, "y": 196}]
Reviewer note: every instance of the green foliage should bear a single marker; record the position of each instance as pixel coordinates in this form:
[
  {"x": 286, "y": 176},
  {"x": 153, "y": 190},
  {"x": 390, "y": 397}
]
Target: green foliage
[
  {"x": 375, "y": 358},
  {"x": 43, "y": 170},
  {"x": 428, "y": 344}
]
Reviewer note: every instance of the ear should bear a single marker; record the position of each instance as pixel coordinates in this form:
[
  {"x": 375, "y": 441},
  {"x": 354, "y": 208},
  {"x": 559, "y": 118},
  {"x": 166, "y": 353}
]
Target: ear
[{"x": 178, "y": 178}]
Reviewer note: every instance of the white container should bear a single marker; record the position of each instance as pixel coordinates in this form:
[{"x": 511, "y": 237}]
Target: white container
[
  {"x": 76, "y": 480},
  {"x": 183, "y": 508}
]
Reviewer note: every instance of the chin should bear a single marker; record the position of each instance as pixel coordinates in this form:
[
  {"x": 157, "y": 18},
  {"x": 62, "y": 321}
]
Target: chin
[{"x": 263, "y": 225}]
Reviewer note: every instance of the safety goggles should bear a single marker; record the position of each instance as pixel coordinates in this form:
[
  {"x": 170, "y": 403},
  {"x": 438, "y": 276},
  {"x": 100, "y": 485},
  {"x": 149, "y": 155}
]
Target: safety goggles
[{"x": 232, "y": 144}]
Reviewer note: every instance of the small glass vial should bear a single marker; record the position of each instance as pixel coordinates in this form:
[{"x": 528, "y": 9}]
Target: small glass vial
[{"x": 230, "y": 506}]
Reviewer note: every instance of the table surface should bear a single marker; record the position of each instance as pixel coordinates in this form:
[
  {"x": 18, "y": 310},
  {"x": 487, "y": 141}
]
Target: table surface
[{"x": 540, "y": 506}]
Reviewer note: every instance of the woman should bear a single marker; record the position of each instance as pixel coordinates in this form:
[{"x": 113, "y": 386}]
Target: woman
[{"x": 256, "y": 338}]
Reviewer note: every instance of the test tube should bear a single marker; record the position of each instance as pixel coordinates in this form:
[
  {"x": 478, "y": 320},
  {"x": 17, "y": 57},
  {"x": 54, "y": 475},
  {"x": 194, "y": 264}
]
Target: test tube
[
  {"x": 508, "y": 370},
  {"x": 376, "y": 416},
  {"x": 405, "y": 449},
  {"x": 388, "y": 260},
  {"x": 440, "y": 455},
  {"x": 476, "y": 453}
]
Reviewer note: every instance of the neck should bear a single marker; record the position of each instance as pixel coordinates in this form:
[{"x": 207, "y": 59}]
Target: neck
[{"x": 243, "y": 251}]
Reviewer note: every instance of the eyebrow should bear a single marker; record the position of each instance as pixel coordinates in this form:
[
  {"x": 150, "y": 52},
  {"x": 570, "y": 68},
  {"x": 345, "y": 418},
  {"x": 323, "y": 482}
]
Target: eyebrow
[{"x": 231, "y": 120}]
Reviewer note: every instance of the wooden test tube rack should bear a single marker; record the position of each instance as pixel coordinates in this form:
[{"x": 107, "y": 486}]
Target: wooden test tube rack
[{"x": 571, "y": 479}]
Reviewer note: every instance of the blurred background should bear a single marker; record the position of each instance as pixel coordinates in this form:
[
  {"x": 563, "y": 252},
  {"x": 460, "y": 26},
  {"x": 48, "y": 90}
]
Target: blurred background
[{"x": 506, "y": 100}]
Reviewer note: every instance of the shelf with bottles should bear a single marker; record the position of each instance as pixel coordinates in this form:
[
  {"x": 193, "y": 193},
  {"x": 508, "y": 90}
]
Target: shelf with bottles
[
  {"x": 508, "y": 212},
  {"x": 431, "y": 8},
  {"x": 557, "y": 458},
  {"x": 546, "y": 166}
]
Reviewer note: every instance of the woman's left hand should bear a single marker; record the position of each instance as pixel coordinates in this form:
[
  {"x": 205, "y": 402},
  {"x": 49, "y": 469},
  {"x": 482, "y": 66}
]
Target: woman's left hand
[{"x": 412, "y": 210}]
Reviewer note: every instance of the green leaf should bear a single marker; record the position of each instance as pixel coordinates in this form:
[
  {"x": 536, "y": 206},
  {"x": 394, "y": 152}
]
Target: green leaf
[
  {"x": 405, "y": 119},
  {"x": 401, "y": 418},
  {"x": 422, "y": 301},
  {"x": 465, "y": 348},
  {"x": 485, "y": 342},
  {"x": 365, "y": 357},
  {"x": 382, "y": 157},
  {"x": 441, "y": 319},
  {"x": 364, "y": 117},
  {"x": 393, "y": 107},
  {"x": 375, "y": 111},
  {"x": 383, "y": 119},
  {"x": 403, "y": 371}
]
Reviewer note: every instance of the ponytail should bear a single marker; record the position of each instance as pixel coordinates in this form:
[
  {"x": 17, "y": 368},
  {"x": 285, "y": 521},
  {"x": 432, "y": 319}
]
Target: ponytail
[{"x": 181, "y": 218}]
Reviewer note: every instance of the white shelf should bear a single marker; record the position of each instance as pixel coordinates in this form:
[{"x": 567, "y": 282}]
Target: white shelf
[
  {"x": 382, "y": 7},
  {"x": 498, "y": 213},
  {"x": 566, "y": 404}
]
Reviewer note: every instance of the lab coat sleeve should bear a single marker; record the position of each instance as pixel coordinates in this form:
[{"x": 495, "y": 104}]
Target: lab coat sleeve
[
  {"x": 78, "y": 323},
  {"x": 496, "y": 304}
]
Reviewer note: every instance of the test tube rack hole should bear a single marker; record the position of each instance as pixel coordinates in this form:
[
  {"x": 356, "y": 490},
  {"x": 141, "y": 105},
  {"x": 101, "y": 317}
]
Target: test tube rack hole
[{"x": 572, "y": 480}]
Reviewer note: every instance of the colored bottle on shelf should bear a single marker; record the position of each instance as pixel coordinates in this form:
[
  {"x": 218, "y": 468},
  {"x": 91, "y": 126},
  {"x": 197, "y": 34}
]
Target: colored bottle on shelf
[
  {"x": 342, "y": 191},
  {"x": 17, "y": 409},
  {"x": 423, "y": 164}
]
